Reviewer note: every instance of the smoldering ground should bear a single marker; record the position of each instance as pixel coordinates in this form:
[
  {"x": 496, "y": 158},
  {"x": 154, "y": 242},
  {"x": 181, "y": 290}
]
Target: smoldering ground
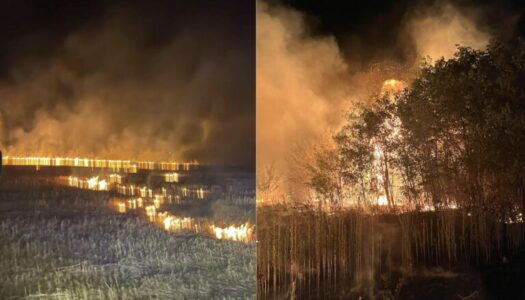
[{"x": 131, "y": 80}]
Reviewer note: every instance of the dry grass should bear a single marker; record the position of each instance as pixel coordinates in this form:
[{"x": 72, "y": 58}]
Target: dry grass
[
  {"x": 319, "y": 254},
  {"x": 61, "y": 243}
]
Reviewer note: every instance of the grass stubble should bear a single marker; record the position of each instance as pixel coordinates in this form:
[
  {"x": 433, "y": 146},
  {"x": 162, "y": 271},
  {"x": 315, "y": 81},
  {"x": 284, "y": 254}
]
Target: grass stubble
[{"x": 62, "y": 243}]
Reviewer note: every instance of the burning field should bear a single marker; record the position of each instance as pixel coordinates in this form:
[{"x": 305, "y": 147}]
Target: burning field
[
  {"x": 127, "y": 130},
  {"x": 125, "y": 230}
]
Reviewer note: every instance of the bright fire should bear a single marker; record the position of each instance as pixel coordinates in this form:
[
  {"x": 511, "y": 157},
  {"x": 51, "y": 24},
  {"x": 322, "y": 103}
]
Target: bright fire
[
  {"x": 171, "y": 177},
  {"x": 117, "y": 165},
  {"x": 171, "y": 223},
  {"x": 122, "y": 207},
  {"x": 92, "y": 183},
  {"x": 148, "y": 201},
  {"x": 200, "y": 193},
  {"x": 235, "y": 233},
  {"x": 151, "y": 212},
  {"x": 115, "y": 178},
  {"x": 393, "y": 86}
]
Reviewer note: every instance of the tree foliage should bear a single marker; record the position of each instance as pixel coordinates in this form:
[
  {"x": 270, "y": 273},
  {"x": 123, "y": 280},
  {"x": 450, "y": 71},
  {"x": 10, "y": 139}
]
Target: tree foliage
[{"x": 456, "y": 135}]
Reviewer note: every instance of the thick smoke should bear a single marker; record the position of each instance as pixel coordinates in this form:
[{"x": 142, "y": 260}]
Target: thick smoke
[
  {"x": 300, "y": 83},
  {"x": 437, "y": 32},
  {"x": 137, "y": 84},
  {"x": 306, "y": 84}
]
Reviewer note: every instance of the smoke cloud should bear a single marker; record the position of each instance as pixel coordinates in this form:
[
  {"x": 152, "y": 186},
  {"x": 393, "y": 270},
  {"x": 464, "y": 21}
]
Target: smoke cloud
[
  {"x": 437, "y": 32},
  {"x": 300, "y": 83},
  {"x": 137, "y": 81}
]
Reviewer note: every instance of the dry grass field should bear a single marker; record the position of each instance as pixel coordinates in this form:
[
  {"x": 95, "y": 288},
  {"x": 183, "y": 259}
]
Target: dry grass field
[{"x": 63, "y": 243}]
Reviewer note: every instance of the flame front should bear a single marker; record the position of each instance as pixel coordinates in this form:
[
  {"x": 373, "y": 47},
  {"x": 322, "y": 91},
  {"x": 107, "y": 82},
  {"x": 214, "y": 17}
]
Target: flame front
[
  {"x": 117, "y": 165},
  {"x": 172, "y": 223},
  {"x": 242, "y": 233},
  {"x": 171, "y": 177},
  {"x": 92, "y": 183},
  {"x": 122, "y": 207},
  {"x": 151, "y": 212}
]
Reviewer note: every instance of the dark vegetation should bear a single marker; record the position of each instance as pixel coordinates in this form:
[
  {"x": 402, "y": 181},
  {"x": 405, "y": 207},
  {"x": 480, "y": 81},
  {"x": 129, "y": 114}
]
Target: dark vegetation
[{"x": 312, "y": 254}]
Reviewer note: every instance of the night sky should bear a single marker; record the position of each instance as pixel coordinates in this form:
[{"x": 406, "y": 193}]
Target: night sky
[{"x": 129, "y": 79}]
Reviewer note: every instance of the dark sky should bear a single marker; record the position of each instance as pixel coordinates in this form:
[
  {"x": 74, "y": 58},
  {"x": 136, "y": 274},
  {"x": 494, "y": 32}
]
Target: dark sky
[
  {"x": 129, "y": 79},
  {"x": 370, "y": 30}
]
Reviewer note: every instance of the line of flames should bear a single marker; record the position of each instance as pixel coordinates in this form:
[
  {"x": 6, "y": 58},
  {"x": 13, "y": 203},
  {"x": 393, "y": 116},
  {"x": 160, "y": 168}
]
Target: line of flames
[
  {"x": 168, "y": 177},
  {"x": 127, "y": 166},
  {"x": 115, "y": 183},
  {"x": 153, "y": 203},
  {"x": 234, "y": 233},
  {"x": 243, "y": 233},
  {"x": 171, "y": 223},
  {"x": 92, "y": 183}
]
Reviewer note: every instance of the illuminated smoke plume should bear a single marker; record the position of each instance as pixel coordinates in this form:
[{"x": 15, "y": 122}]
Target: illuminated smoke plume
[
  {"x": 164, "y": 81},
  {"x": 437, "y": 32},
  {"x": 300, "y": 82}
]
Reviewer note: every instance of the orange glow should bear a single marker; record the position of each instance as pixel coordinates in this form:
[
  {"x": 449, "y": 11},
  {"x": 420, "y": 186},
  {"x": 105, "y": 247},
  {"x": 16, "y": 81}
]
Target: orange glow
[
  {"x": 171, "y": 177},
  {"x": 172, "y": 223},
  {"x": 132, "y": 204},
  {"x": 92, "y": 183},
  {"x": 151, "y": 212},
  {"x": 121, "y": 207},
  {"x": 200, "y": 193},
  {"x": 158, "y": 201},
  {"x": 242, "y": 233},
  {"x": 382, "y": 200},
  {"x": 393, "y": 86},
  {"x": 115, "y": 178},
  {"x": 127, "y": 166}
]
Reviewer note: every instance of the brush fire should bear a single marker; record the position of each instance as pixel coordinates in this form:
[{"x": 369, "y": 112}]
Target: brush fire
[
  {"x": 145, "y": 200},
  {"x": 172, "y": 223},
  {"x": 127, "y": 166},
  {"x": 151, "y": 201},
  {"x": 92, "y": 183},
  {"x": 151, "y": 205},
  {"x": 244, "y": 232}
]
